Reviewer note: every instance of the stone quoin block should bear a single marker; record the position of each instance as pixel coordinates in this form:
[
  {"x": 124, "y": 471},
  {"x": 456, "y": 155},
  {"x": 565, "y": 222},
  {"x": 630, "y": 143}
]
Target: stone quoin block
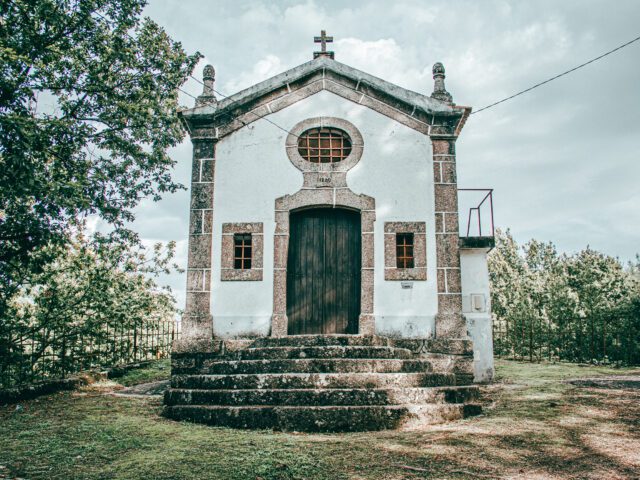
[
  {"x": 451, "y": 222},
  {"x": 448, "y": 172},
  {"x": 442, "y": 280},
  {"x": 447, "y": 251},
  {"x": 196, "y": 280},
  {"x": 198, "y": 303},
  {"x": 439, "y": 222},
  {"x": 437, "y": 172},
  {"x": 207, "y": 170},
  {"x": 201, "y": 221},
  {"x": 446, "y": 198},
  {"x": 443, "y": 147},
  {"x": 450, "y": 303},
  {"x": 201, "y": 196},
  {"x": 204, "y": 149},
  {"x": 195, "y": 221},
  {"x": 454, "y": 284},
  {"x": 451, "y": 326},
  {"x": 195, "y": 170},
  {"x": 199, "y": 251},
  {"x": 208, "y": 221}
]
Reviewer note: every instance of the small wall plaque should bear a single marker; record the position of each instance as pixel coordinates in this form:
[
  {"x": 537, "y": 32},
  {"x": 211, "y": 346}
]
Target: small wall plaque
[{"x": 406, "y": 285}]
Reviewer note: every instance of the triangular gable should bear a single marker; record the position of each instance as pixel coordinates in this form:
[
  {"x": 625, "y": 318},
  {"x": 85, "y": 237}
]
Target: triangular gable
[{"x": 420, "y": 112}]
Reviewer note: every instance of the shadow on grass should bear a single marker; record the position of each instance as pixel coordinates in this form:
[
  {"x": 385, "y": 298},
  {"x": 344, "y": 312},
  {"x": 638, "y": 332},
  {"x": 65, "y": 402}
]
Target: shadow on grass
[{"x": 535, "y": 427}]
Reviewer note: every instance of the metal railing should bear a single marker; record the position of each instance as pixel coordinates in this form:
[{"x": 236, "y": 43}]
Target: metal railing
[
  {"x": 47, "y": 355},
  {"x": 479, "y": 215}
]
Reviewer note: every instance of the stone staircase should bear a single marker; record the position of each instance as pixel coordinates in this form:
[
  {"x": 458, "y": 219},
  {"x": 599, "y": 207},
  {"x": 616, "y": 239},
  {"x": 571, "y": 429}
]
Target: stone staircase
[{"x": 324, "y": 383}]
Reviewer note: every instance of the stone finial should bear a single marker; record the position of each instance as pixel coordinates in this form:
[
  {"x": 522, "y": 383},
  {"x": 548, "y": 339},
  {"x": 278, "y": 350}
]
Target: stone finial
[
  {"x": 208, "y": 96},
  {"x": 439, "y": 91}
]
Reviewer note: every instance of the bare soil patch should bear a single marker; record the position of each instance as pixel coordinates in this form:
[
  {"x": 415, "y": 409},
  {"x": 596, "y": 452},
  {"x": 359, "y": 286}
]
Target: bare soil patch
[{"x": 631, "y": 382}]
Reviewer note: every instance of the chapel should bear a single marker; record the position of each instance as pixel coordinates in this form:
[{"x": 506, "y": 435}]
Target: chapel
[{"x": 332, "y": 283}]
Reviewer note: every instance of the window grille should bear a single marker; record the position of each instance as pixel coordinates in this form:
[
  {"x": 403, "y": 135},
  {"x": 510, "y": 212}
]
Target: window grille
[
  {"x": 404, "y": 250},
  {"x": 242, "y": 251},
  {"x": 324, "y": 145}
]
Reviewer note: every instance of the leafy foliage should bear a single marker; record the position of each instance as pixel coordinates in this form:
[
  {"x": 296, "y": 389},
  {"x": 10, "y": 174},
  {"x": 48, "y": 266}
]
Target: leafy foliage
[
  {"x": 97, "y": 304},
  {"x": 88, "y": 101},
  {"x": 582, "y": 307}
]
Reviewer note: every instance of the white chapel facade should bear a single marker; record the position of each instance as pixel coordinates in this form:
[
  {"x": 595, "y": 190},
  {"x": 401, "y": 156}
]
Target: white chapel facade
[{"x": 325, "y": 202}]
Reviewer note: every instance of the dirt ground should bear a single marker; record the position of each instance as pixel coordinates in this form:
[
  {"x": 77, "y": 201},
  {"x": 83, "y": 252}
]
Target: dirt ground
[{"x": 540, "y": 421}]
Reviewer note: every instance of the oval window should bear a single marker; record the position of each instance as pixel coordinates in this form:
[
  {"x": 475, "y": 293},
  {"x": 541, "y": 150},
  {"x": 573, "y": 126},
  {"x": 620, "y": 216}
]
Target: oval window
[{"x": 324, "y": 145}]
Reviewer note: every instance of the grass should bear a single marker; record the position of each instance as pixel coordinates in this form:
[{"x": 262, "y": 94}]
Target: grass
[
  {"x": 535, "y": 426},
  {"x": 154, "y": 372}
]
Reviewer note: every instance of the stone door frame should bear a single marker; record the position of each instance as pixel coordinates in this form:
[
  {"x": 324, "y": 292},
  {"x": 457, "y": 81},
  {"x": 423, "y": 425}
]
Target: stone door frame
[{"x": 323, "y": 198}]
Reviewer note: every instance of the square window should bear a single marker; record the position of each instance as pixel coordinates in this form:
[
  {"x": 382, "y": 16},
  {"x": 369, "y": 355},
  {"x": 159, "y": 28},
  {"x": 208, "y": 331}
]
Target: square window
[
  {"x": 404, "y": 250},
  {"x": 242, "y": 251}
]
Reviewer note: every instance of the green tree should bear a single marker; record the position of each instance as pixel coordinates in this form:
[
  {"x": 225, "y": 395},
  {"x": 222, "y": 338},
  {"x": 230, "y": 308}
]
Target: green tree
[
  {"x": 87, "y": 308},
  {"x": 510, "y": 301},
  {"x": 600, "y": 284},
  {"x": 582, "y": 307},
  {"x": 109, "y": 79}
]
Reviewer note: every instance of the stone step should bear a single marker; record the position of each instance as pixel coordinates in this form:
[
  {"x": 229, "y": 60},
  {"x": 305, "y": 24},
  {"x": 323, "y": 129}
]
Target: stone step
[
  {"x": 316, "y": 365},
  {"x": 442, "y": 362},
  {"x": 333, "y": 351},
  {"x": 322, "y": 397},
  {"x": 322, "y": 341},
  {"x": 313, "y": 380},
  {"x": 322, "y": 419}
]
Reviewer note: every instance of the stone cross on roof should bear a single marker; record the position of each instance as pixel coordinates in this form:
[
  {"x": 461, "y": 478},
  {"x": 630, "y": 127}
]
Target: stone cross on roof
[{"x": 323, "y": 40}]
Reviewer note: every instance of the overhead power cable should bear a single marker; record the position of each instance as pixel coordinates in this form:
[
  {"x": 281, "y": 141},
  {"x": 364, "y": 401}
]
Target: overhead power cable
[
  {"x": 558, "y": 76},
  {"x": 201, "y": 83},
  {"x": 263, "y": 117}
]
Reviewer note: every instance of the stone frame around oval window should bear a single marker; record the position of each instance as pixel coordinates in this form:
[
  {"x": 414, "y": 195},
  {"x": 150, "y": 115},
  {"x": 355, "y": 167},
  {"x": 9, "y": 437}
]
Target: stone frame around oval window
[{"x": 305, "y": 166}]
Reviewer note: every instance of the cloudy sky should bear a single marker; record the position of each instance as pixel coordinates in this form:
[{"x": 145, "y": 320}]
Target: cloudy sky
[{"x": 563, "y": 159}]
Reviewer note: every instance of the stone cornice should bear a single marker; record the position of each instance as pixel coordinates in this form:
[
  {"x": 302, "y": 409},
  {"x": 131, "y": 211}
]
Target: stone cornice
[{"x": 419, "y": 112}]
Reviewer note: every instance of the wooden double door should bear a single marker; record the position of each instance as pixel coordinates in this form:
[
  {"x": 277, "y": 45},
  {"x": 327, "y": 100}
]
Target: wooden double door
[{"x": 323, "y": 271}]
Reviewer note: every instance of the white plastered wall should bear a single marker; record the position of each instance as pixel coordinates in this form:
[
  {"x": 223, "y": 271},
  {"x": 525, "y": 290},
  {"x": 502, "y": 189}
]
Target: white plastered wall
[
  {"x": 476, "y": 307},
  {"x": 252, "y": 170}
]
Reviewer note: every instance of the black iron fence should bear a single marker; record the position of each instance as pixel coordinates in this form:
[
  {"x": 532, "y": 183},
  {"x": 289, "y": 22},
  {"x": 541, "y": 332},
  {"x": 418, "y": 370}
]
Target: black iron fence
[{"x": 52, "y": 355}]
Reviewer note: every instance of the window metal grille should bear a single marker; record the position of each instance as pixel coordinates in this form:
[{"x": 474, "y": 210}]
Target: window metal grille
[
  {"x": 404, "y": 250},
  {"x": 324, "y": 145},
  {"x": 242, "y": 251}
]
